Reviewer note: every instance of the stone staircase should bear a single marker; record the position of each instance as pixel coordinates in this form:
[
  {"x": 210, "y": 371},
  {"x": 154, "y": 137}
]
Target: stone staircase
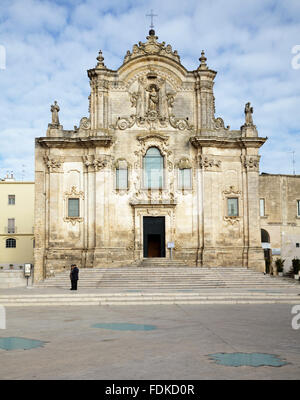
[
  {"x": 166, "y": 283},
  {"x": 170, "y": 276},
  {"x": 168, "y": 298}
]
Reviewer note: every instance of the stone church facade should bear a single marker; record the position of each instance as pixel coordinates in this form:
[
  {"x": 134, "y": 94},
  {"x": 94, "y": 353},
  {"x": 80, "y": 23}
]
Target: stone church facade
[{"x": 150, "y": 168}]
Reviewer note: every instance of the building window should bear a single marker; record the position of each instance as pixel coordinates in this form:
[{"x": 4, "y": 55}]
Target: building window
[
  {"x": 153, "y": 169},
  {"x": 11, "y": 243},
  {"x": 185, "y": 178},
  {"x": 11, "y": 228},
  {"x": 121, "y": 174},
  {"x": 298, "y": 208},
  {"x": 232, "y": 207},
  {"x": 297, "y": 244},
  {"x": 121, "y": 179},
  {"x": 73, "y": 208},
  {"x": 262, "y": 207},
  {"x": 11, "y": 199}
]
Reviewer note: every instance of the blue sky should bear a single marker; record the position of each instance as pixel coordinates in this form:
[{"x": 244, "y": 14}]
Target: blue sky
[{"x": 51, "y": 44}]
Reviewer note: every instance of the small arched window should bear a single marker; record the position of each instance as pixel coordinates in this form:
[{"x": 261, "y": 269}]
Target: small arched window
[
  {"x": 11, "y": 243},
  {"x": 153, "y": 169}
]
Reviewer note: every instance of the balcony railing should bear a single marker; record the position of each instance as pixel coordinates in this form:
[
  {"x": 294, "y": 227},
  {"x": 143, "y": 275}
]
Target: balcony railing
[{"x": 9, "y": 229}]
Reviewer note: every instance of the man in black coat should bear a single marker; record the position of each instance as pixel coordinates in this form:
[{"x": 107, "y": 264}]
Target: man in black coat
[{"x": 74, "y": 276}]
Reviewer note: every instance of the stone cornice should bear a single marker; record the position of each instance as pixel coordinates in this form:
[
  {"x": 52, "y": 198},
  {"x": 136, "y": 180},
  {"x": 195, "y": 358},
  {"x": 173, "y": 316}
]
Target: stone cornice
[
  {"x": 63, "y": 142},
  {"x": 213, "y": 141},
  {"x": 153, "y": 204}
]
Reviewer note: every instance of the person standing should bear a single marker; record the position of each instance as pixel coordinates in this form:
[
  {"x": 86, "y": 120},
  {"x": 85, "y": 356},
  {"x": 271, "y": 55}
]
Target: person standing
[{"x": 74, "y": 276}]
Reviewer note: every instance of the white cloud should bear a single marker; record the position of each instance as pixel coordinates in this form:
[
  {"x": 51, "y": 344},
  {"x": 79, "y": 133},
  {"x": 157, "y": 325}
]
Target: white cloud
[{"x": 50, "y": 45}]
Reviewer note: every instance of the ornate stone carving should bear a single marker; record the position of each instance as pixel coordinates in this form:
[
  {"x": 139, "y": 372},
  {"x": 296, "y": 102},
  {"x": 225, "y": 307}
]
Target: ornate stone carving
[
  {"x": 180, "y": 123},
  {"x": 53, "y": 164},
  {"x": 232, "y": 191},
  {"x": 232, "y": 220},
  {"x": 153, "y": 106},
  {"x": 85, "y": 123},
  {"x": 125, "y": 123},
  {"x": 99, "y": 164},
  {"x": 209, "y": 163},
  {"x": 184, "y": 163},
  {"x": 154, "y": 140},
  {"x": 74, "y": 193},
  {"x": 219, "y": 124},
  {"x": 153, "y": 197},
  {"x": 96, "y": 163},
  {"x": 151, "y": 47},
  {"x": 251, "y": 163}
]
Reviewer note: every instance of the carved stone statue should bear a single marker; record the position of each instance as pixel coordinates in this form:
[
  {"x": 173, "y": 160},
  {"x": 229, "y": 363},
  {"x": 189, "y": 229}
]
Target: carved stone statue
[
  {"x": 153, "y": 105},
  {"x": 153, "y": 100},
  {"x": 55, "y": 110},
  {"x": 248, "y": 115}
]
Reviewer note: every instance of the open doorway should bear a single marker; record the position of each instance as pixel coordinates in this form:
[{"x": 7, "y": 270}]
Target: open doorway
[{"x": 154, "y": 237}]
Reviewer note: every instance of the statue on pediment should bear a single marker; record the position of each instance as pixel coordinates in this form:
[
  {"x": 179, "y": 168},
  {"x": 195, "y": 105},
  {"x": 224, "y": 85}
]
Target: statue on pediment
[
  {"x": 248, "y": 115},
  {"x": 55, "y": 110}
]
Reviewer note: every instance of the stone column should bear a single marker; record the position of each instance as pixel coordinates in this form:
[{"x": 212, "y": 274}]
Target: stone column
[
  {"x": 255, "y": 252},
  {"x": 39, "y": 214}
]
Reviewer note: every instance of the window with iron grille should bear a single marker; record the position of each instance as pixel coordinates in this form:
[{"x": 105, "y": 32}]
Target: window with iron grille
[{"x": 11, "y": 243}]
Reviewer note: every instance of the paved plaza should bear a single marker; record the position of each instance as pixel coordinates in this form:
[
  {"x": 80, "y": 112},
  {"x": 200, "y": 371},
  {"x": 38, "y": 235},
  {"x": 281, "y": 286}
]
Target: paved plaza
[{"x": 149, "y": 342}]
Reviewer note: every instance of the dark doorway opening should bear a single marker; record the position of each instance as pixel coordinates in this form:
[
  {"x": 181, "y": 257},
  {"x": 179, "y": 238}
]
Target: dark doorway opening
[
  {"x": 265, "y": 240},
  {"x": 154, "y": 237}
]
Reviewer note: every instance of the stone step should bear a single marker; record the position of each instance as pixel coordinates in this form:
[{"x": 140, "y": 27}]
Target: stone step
[
  {"x": 76, "y": 299},
  {"x": 164, "y": 278}
]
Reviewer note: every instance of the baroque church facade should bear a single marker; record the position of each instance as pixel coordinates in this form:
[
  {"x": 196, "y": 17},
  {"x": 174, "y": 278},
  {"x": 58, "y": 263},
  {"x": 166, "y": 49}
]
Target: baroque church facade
[{"x": 151, "y": 172}]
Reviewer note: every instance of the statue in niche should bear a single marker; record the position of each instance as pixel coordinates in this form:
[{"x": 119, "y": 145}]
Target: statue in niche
[
  {"x": 153, "y": 99},
  {"x": 55, "y": 110},
  {"x": 248, "y": 115},
  {"x": 153, "y": 106}
]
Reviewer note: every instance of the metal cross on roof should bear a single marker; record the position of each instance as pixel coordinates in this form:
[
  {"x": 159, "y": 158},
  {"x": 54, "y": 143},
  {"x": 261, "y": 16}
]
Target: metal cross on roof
[{"x": 151, "y": 15}]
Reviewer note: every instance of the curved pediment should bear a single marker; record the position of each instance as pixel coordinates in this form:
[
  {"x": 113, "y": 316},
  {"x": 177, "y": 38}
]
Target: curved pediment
[
  {"x": 152, "y": 51},
  {"x": 152, "y": 47}
]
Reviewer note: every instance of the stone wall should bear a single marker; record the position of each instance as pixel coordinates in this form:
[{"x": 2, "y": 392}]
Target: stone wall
[{"x": 281, "y": 221}]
